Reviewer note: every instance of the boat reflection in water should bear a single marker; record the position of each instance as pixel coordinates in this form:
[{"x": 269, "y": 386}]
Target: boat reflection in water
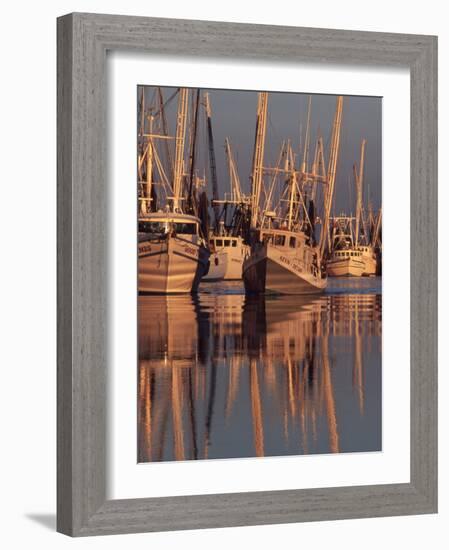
[{"x": 228, "y": 376}]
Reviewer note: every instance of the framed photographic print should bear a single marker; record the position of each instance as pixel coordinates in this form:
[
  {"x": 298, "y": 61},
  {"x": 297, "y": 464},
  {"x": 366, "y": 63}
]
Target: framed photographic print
[{"x": 246, "y": 274}]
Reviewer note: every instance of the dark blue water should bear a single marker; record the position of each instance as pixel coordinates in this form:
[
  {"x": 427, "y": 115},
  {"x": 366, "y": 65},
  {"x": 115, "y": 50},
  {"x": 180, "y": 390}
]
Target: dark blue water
[{"x": 222, "y": 375}]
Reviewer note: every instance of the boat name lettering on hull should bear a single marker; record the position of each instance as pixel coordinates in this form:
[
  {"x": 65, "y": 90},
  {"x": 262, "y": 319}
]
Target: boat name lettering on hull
[
  {"x": 143, "y": 249},
  {"x": 191, "y": 251},
  {"x": 291, "y": 264}
]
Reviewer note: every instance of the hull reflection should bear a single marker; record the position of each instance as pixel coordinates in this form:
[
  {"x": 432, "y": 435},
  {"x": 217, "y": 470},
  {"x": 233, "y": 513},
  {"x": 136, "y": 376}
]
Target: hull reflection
[{"x": 224, "y": 375}]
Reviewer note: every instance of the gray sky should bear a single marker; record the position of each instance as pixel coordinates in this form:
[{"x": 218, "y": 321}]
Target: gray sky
[{"x": 234, "y": 116}]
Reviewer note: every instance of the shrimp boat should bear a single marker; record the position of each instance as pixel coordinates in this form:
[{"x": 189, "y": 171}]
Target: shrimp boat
[
  {"x": 349, "y": 260},
  {"x": 353, "y": 255},
  {"x": 226, "y": 238},
  {"x": 283, "y": 262},
  {"x": 346, "y": 259},
  {"x": 173, "y": 254},
  {"x": 284, "y": 255},
  {"x": 227, "y": 257},
  {"x": 225, "y": 241},
  {"x": 346, "y": 264}
]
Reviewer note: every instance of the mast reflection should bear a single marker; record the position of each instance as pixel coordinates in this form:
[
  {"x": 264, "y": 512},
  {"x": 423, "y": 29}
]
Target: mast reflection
[{"x": 226, "y": 375}]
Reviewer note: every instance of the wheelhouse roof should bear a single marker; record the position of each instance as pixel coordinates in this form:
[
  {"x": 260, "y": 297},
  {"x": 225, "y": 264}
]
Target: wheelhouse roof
[{"x": 169, "y": 217}]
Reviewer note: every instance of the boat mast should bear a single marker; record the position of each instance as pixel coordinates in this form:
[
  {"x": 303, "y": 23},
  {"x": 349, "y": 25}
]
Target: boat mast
[
  {"x": 146, "y": 204},
  {"x": 190, "y": 203},
  {"x": 142, "y": 125},
  {"x": 236, "y": 189},
  {"x": 307, "y": 138},
  {"x": 259, "y": 146},
  {"x": 359, "y": 183},
  {"x": 331, "y": 174},
  {"x": 141, "y": 153},
  {"x": 165, "y": 132},
  {"x": 212, "y": 162},
  {"x": 290, "y": 168},
  {"x": 319, "y": 167},
  {"x": 179, "y": 150}
]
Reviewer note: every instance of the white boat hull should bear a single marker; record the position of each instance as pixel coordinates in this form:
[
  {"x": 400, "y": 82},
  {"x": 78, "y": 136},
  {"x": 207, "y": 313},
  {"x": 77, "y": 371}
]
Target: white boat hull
[
  {"x": 269, "y": 269},
  {"x": 232, "y": 252},
  {"x": 234, "y": 266},
  {"x": 345, "y": 267},
  {"x": 217, "y": 267},
  {"x": 173, "y": 265},
  {"x": 370, "y": 264}
]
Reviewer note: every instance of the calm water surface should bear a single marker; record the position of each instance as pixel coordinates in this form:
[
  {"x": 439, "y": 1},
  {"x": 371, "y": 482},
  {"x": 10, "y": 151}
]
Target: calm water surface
[{"x": 223, "y": 375}]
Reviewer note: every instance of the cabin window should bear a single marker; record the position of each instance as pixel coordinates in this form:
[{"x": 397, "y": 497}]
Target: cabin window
[
  {"x": 184, "y": 228},
  {"x": 218, "y": 242},
  {"x": 227, "y": 242},
  {"x": 292, "y": 242},
  {"x": 234, "y": 242},
  {"x": 279, "y": 240},
  {"x": 152, "y": 227}
]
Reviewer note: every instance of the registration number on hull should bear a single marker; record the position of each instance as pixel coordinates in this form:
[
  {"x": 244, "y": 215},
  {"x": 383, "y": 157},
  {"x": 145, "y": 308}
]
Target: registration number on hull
[
  {"x": 292, "y": 264},
  {"x": 190, "y": 251},
  {"x": 144, "y": 249}
]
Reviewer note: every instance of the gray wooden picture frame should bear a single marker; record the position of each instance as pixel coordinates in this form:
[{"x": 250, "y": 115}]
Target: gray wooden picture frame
[{"x": 83, "y": 41}]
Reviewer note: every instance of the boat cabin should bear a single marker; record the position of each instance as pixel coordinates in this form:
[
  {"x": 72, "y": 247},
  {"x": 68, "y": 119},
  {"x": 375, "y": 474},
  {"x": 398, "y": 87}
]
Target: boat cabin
[
  {"x": 283, "y": 238},
  {"x": 220, "y": 242},
  {"x": 163, "y": 224},
  {"x": 346, "y": 253}
]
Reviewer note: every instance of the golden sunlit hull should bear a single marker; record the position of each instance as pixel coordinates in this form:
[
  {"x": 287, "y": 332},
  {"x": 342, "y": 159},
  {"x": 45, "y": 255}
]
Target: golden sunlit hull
[
  {"x": 269, "y": 269},
  {"x": 171, "y": 266},
  {"x": 217, "y": 267},
  {"x": 231, "y": 258},
  {"x": 345, "y": 267},
  {"x": 370, "y": 266},
  {"x": 234, "y": 268}
]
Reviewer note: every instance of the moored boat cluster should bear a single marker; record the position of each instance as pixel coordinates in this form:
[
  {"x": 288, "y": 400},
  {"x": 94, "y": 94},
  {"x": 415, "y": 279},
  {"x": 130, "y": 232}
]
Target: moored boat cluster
[{"x": 281, "y": 237}]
